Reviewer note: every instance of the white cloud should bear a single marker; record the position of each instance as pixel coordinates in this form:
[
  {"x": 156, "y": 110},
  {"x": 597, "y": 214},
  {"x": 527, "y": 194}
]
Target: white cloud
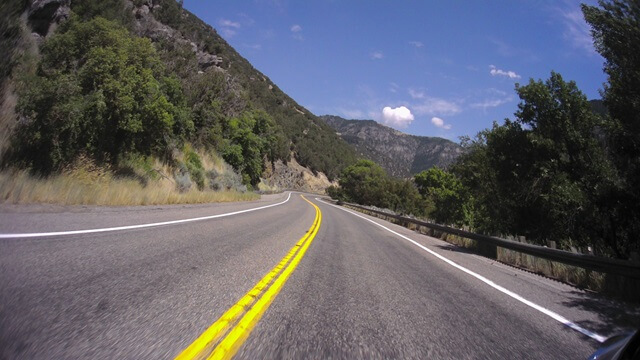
[
  {"x": 577, "y": 31},
  {"x": 228, "y": 28},
  {"x": 253, "y": 46},
  {"x": 416, "y": 94},
  {"x": 491, "y": 103},
  {"x": 296, "y": 31},
  {"x": 495, "y": 91},
  {"x": 399, "y": 117},
  {"x": 351, "y": 113},
  {"x": 436, "y": 106},
  {"x": 438, "y": 122},
  {"x": 507, "y": 50},
  {"x": 227, "y": 33},
  {"x": 377, "y": 55},
  {"x": 229, "y": 23},
  {"x": 393, "y": 87},
  {"x": 417, "y": 44},
  {"x": 499, "y": 72}
]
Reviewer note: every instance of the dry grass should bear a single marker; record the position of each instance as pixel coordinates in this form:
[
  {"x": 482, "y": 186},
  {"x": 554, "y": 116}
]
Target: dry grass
[
  {"x": 82, "y": 187},
  {"x": 566, "y": 273}
]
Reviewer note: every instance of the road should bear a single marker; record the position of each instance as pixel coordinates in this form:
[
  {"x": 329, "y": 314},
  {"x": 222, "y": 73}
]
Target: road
[{"x": 348, "y": 289}]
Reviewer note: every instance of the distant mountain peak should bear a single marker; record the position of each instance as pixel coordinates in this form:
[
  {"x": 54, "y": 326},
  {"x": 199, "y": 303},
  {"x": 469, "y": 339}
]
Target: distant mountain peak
[{"x": 400, "y": 154}]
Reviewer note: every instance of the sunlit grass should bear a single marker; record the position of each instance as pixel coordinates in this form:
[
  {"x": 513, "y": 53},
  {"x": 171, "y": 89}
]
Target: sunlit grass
[{"x": 90, "y": 188}]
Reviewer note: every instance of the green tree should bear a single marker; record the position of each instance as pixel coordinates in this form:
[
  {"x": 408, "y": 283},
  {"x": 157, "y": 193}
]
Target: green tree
[
  {"x": 249, "y": 141},
  {"x": 551, "y": 160},
  {"x": 616, "y": 31},
  {"x": 449, "y": 196},
  {"x": 101, "y": 91},
  {"x": 546, "y": 173},
  {"x": 475, "y": 171},
  {"x": 402, "y": 196},
  {"x": 364, "y": 183}
]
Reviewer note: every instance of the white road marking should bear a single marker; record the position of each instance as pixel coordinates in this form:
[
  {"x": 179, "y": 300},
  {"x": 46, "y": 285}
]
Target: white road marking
[
  {"x": 543, "y": 310},
  {"x": 129, "y": 227}
]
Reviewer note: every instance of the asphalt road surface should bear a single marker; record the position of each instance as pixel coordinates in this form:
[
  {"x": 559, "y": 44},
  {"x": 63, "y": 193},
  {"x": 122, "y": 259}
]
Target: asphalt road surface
[{"x": 283, "y": 281}]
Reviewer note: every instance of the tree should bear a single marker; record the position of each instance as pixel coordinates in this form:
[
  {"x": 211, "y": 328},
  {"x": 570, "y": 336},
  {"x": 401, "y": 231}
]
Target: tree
[
  {"x": 249, "y": 140},
  {"x": 616, "y": 32},
  {"x": 545, "y": 174},
  {"x": 449, "y": 196},
  {"x": 364, "y": 183},
  {"x": 566, "y": 166},
  {"x": 474, "y": 170},
  {"x": 101, "y": 91}
]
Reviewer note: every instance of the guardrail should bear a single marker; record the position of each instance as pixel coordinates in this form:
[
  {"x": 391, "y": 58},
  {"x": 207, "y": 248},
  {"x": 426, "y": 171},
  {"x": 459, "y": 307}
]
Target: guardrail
[{"x": 604, "y": 265}]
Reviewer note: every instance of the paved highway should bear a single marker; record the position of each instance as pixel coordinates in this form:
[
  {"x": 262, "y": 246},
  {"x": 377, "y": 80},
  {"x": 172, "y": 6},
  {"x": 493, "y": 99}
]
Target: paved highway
[{"x": 282, "y": 277}]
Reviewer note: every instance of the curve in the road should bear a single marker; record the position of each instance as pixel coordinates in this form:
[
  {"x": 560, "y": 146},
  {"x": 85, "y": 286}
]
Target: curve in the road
[
  {"x": 140, "y": 226},
  {"x": 224, "y": 337},
  {"x": 510, "y": 293}
]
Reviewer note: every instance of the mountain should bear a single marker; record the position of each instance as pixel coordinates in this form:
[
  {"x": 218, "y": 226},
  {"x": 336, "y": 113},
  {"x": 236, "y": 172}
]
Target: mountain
[
  {"x": 97, "y": 63},
  {"x": 400, "y": 154}
]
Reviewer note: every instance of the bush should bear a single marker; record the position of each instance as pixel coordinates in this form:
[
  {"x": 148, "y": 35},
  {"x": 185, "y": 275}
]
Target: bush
[
  {"x": 228, "y": 180},
  {"x": 98, "y": 90},
  {"x": 333, "y": 192},
  {"x": 194, "y": 166},
  {"x": 183, "y": 181}
]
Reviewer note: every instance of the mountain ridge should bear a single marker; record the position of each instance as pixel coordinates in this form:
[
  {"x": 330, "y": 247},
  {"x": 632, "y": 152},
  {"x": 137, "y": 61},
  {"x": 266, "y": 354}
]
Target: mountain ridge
[{"x": 400, "y": 154}]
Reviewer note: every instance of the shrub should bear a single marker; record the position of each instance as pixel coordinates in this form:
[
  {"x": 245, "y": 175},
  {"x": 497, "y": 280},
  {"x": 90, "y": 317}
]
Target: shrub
[
  {"x": 181, "y": 176},
  {"x": 194, "y": 166},
  {"x": 228, "y": 180}
]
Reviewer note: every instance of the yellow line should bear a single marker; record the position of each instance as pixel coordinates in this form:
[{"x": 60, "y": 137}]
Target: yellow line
[{"x": 248, "y": 305}]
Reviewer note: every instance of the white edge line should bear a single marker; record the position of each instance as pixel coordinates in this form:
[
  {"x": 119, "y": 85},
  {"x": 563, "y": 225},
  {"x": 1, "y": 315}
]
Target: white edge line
[
  {"x": 129, "y": 227},
  {"x": 543, "y": 310}
]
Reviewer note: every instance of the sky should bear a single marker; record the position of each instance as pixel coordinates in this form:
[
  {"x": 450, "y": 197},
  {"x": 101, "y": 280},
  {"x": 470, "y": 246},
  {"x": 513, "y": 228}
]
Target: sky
[{"x": 432, "y": 68}]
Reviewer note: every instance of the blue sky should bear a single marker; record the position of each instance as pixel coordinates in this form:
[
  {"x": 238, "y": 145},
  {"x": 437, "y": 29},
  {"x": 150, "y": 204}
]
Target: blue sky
[{"x": 433, "y": 68}]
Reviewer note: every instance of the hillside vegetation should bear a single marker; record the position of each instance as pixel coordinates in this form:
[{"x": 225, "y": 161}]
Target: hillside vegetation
[
  {"x": 114, "y": 80},
  {"x": 400, "y": 154}
]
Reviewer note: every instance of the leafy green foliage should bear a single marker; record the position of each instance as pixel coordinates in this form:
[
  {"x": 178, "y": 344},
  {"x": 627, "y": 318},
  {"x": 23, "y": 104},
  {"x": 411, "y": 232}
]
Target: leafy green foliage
[
  {"x": 616, "y": 30},
  {"x": 194, "y": 166},
  {"x": 249, "y": 139},
  {"x": 114, "y": 10},
  {"x": 451, "y": 199},
  {"x": 101, "y": 91},
  {"x": 366, "y": 183},
  {"x": 545, "y": 174}
]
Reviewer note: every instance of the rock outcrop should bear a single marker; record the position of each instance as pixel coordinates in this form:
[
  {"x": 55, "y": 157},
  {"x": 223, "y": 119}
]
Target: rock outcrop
[
  {"x": 146, "y": 25},
  {"x": 42, "y": 14},
  {"x": 294, "y": 176}
]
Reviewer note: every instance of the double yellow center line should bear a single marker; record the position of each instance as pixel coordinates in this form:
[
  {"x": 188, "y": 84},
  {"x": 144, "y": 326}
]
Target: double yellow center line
[{"x": 223, "y": 339}]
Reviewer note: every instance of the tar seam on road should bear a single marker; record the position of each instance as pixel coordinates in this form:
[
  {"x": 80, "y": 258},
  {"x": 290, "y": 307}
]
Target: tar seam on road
[
  {"x": 225, "y": 336},
  {"x": 543, "y": 310},
  {"x": 130, "y": 227}
]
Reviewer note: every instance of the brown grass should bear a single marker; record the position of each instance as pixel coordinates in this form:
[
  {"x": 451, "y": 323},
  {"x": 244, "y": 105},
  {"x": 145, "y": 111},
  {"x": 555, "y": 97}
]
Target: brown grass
[{"x": 82, "y": 187}]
